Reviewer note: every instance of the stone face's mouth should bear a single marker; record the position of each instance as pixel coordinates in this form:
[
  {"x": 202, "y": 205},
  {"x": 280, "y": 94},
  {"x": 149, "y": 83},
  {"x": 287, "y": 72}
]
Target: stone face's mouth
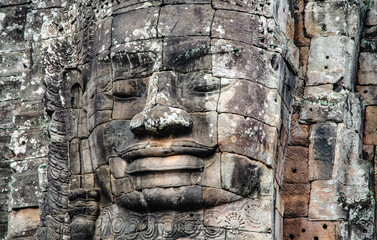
[
  {"x": 170, "y": 163},
  {"x": 163, "y": 149}
]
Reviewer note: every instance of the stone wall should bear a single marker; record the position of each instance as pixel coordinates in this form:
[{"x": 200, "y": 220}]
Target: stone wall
[{"x": 325, "y": 155}]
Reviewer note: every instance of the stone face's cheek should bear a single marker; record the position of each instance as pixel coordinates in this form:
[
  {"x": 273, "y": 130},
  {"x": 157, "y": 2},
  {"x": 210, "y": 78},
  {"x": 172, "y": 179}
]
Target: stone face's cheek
[
  {"x": 129, "y": 97},
  {"x": 250, "y": 99},
  {"x": 247, "y": 137},
  {"x": 198, "y": 92}
]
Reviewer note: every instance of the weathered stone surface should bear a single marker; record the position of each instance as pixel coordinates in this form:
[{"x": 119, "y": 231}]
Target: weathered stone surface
[
  {"x": 118, "y": 167},
  {"x": 245, "y": 177},
  {"x": 326, "y": 201},
  {"x": 212, "y": 173},
  {"x": 319, "y": 23},
  {"x": 299, "y": 132},
  {"x": 296, "y": 199},
  {"x": 214, "y": 197},
  {"x": 74, "y": 156},
  {"x": 367, "y": 68},
  {"x": 237, "y": 60},
  {"x": 263, "y": 7},
  {"x": 368, "y": 93},
  {"x": 332, "y": 60},
  {"x": 247, "y": 137},
  {"x": 187, "y": 54},
  {"x": 12, "y": 25},
  {"x": 370, "y": 125},
  {"x": 368, "y": 152},
  {"x": 283, "y": 18},
  {"x": 234, "y": 235},
  {"x": 257, "y": 101},
  {"x": 120, "y": 186},
  {"x": 24, "y": 223},
  {"x": 301, "y": 228},
  {"x": 103, "y": 177},
  {"x": 86, "y": 164},
  {"x": 135, "y": 25},
  {"x": 29, "y": 144},
  {"x": 135, "y": 59},
  {"x": 247, "y": 214},
  {"x": 25, "y": 190},
  {"x": 237, "y": 26},
  {"x": 182, "y": 20},
  {"x": 322, "y": 150},
  {"x": 296, "y": 165},
  {"x": 11, "y": 63},
  {"x": 321, "y": 104}
]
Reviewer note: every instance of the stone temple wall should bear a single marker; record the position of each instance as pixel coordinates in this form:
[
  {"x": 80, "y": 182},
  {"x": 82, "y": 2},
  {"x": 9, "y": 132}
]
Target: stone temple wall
[{"x": 324, "y": 168}]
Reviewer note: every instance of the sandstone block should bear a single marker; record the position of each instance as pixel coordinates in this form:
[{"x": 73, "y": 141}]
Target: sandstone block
[
  {"x": 28, "y": 144},
  {"x": 102, "y": 40},
  {"x": 135, "y": 25},
  {"x": 325, "y": 201},
  {"x": 23, "y": 223},
  {"x": 370, "y": 125},
  {"x": 247, "y": 214},
  {"x": 187, "y": 54},
  {"x": 121, "y": 185},
  {"x": 182, "y": 20},
  {"x": 296, "y": 165},
  {"x": 299, "y": 132},
  {"x": 301, "y": 228},
  {"x": 242, "y": 176},
  {"x": 74, "y": 156},
  {"x": 86, "y": 164},
  {"x": 236, "y": 235},
  {"x": 246, "y": 136},
  {"x": 212, "y": 172},
  {"x": 118, "y": 167},
  {"x": 136, "y": 59},
  {"x": 238, "y": 26},
  {"x": 367, "y": 68},
  {"x": 102, "y": 178},
  {"x": 232, "y": 59},
  {"x": 25, "y": 190},
  {"x": 332, "y": 60},
  {"x": 368, "y": 93},
  {"x": 368, "y": 152},
  {"x": 11, "y": 63},
  {"x": 251, "y": 100},
  {"x": 322, "y": 150},
  {"x": 248, "y": 6},
  {"x": 296, "y": 199},
  {"x": 321, "y": 103},
  {"x": 98, "y": 118},
  {"x": 319, "y": 23},
  {"x": 12, "y": 25},
  {"x": 283, "y": 17}
]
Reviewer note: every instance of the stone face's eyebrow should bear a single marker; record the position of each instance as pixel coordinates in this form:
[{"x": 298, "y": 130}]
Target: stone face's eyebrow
[{"x": 194, "y": 53}]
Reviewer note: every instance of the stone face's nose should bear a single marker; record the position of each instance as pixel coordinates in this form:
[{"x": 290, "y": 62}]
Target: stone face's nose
[
  {"x": 162, "y": 114},
  {"x": 161, "y": 119}
]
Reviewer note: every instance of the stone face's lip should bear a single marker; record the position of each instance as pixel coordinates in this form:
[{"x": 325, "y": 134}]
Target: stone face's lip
[
  {"x": 176, "y": 162},
  {"x": 181, "y": 147}
]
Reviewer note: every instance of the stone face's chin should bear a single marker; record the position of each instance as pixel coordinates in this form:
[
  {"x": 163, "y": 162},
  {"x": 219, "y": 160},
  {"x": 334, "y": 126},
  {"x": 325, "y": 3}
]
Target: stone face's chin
[{"x": 157, "y": 199}]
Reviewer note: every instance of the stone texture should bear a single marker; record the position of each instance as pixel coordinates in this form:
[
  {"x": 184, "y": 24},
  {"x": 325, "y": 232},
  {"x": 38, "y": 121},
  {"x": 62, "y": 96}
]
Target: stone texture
[
  {"x": 367, "y": 68},
  {"x": 135, "y": 25},
  {"x": 266, "y": 107},
  {"x": 368, "y": 93},
  {"x": 25, "y": 190},
  {"x": 326, "y": 201},
  {"x": 225, "y": 26},
  {"x": 181, "y": 20},
  {"x": 296, "y": 199},
  {"x": 322, "y": 151},
  {"x": 319, "y": 23},
  {"x": 335, "y": 64},
  {"x": 299, "y": 132},
  {"x": 247, "y": 137},
  {"x": 237, "y": 60},
  {"x": 301, "y": 228},
  {"x": 25, "y": 223},
  {"x": 370, "y": 129},
  {"x": 296, "y": 165},
  {"x": 321, "y": 103}
]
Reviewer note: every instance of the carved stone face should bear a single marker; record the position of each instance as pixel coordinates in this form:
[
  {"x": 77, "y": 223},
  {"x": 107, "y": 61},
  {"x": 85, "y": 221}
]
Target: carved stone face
[{"x": 180, "y": 118}]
